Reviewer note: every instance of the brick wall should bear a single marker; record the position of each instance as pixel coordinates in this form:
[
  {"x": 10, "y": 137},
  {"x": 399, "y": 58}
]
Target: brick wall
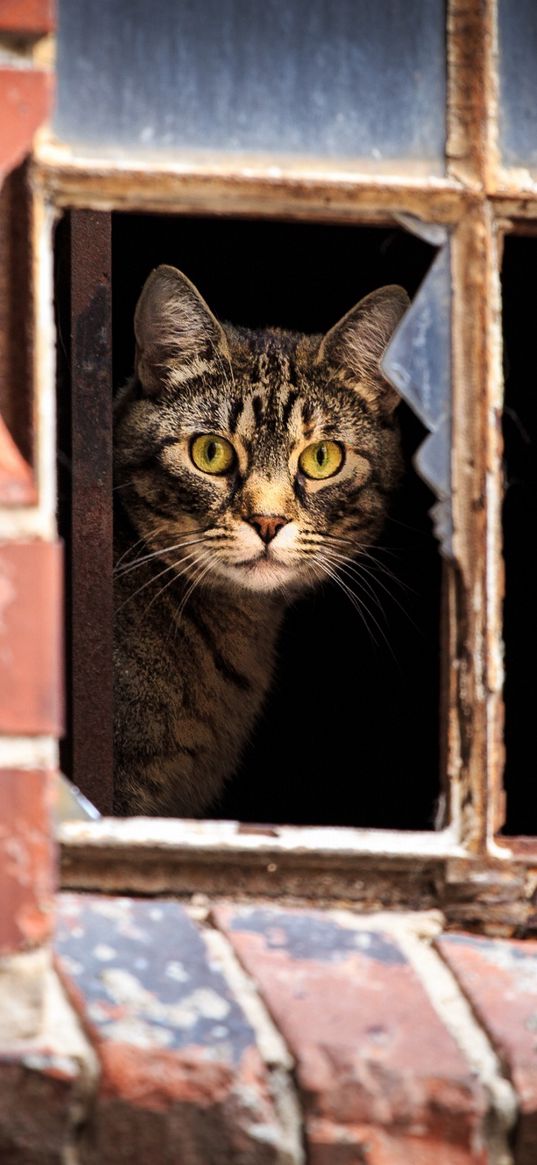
[
  {"x": 30, "y": 594},
  {"x": 202, "y": 1033},
  {"x": 206, "y": 1032}
]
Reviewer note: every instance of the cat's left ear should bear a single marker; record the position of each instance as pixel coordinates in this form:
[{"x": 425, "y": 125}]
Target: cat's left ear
[
  {"x": 353, "y": 347},
  {"x": 177, "y": 336}
]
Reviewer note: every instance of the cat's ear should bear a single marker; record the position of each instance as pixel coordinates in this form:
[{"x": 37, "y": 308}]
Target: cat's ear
[
  {"x": 177, "y": 335},
  {"x": 353, "y": 347}
]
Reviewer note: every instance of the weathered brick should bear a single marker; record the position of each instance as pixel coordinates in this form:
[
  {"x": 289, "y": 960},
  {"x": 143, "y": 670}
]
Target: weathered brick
[
  {"x": 17, "y": 485},
  {"x": 25, "y": 101},
  {"x": 500, "y": 979},
  {"x": 27, "y": 17},
  {"x": 47, "y": 1068},
  {"x": 27, "y": 859},
  {"x": 382, "y": 1081},
  {"x": 182, "y": 1078},
  {"x": 31, "y": 661}
]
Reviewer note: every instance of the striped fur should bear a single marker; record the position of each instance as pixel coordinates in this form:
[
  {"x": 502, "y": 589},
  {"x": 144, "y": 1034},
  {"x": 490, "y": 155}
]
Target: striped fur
[{"x": 199, "y": 596}]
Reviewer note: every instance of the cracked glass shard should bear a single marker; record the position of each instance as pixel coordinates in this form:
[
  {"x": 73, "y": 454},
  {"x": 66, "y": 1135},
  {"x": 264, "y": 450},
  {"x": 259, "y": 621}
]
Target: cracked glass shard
[
  {"x": 418, "y": 364},
  {"x": 70, "y": 804}
]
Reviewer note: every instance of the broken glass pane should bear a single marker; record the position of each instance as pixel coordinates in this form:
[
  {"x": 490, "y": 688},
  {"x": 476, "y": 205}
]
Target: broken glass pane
[{"x": 418, "y": 364}]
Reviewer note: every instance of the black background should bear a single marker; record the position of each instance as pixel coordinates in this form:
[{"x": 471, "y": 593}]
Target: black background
[{"x": 350, "y": 734}]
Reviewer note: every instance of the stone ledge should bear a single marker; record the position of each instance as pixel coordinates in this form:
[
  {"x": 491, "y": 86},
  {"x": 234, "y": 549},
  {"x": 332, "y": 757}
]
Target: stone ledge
[{"x": 223, "y": 1034}]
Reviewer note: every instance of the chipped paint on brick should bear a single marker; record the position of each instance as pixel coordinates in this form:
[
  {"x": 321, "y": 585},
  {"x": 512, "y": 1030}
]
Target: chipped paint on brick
[
  {"x": 314, "y": 936},
  {"x": 144, "y": 974},
  {"x": 180, "y": 1064}
]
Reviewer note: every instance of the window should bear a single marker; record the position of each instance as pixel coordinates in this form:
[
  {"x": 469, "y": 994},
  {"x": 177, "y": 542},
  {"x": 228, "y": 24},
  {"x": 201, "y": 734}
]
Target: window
[
  {"x": 302, "y": 276},
  {"x": 369, "y": 181}
]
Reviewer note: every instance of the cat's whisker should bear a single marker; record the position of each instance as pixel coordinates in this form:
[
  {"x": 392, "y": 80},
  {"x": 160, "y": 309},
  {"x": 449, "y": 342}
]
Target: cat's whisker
[
  {"x": 357, "y": 545},
  {"x": 191, "y": 567},
  {"x": 360, "y": 553},
  {"x": 362, "y": 606},
  {"x": 363, "y": 552},
  {"x": 352, "y": 573},
  {"x": 357, "y": 566},
  {"x": 378, "y": 582},
  {"x": 155, "y": 534},
  {"x": 364, "y": 587},
  {"x": 156, "y": 553},
  {"x": 331, "y": 574},
  {"x": 173, "y": 566},
  {"x": 144, "y": 539},
  {"x": 374, "y": 567},
  {"x": 192, "y": 588}
]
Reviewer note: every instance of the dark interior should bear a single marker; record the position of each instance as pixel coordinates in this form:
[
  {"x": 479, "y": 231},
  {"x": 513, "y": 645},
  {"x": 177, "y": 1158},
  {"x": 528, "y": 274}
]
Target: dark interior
[
  {"x": 329, "y": 750},
  {"x": 519, "y": 526}
]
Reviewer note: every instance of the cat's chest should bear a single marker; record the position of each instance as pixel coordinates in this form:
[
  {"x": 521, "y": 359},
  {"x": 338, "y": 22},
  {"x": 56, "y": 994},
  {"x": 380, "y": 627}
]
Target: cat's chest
[{"x": 193, "y": 655}]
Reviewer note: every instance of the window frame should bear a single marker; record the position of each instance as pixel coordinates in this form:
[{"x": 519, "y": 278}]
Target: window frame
[{"x": 476, "y": 877}]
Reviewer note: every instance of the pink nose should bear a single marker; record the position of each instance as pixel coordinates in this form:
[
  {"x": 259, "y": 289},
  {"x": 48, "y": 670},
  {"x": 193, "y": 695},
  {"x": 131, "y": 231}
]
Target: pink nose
[{"x": 267, "y": 526}]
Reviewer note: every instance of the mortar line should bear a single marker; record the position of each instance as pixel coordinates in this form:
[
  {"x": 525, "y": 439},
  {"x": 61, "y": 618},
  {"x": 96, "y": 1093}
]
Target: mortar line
[
  {"x": 454, "y": 1009},
  {"x": 272, "y": 1046}
]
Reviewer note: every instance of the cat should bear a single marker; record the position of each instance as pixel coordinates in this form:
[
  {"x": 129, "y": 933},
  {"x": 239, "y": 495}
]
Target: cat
[{"x": 249, "y": 465}]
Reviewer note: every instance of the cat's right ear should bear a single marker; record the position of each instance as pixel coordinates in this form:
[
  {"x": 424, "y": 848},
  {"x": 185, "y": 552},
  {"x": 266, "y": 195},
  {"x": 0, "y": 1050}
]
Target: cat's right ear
[{"x": 177, "y": 335}]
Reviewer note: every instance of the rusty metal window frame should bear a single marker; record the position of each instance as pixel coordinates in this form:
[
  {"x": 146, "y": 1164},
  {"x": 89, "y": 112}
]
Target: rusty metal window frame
[{"x": 476, "y": 876}]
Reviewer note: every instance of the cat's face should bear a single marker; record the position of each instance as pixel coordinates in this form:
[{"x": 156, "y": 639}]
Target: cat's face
[{"x": 258, "y": 460}]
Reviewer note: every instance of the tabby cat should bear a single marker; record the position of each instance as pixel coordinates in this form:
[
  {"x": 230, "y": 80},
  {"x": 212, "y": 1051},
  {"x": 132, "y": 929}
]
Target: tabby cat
[{"x": 249, "y": 465}]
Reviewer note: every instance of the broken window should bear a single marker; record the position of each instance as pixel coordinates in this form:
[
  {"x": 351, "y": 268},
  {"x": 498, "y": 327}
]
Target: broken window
[{"x": 408, "y": 165}]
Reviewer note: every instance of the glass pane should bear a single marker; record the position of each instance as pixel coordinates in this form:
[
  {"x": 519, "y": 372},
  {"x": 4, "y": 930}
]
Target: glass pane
[
  {"x": 518, "y": 82},
  {"x": 418, "y": 363},
  {"x": 354, "y": 80}
]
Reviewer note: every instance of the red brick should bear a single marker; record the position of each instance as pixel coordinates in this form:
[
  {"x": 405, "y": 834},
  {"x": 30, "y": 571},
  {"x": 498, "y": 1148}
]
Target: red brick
[
  {"x": 25, "y": 101},
  {"x": 182, "y": 1079},
  {"x": 500, "y": 979},
  {"x": 31, "y": 661},
  {"x": 27, "y": 865},
  {"x": 330, "y": 1144},
  {"x": 382, "y": 1081},
  {"x": 30, "y": 17},
  {"x": 17, "y": 485}
]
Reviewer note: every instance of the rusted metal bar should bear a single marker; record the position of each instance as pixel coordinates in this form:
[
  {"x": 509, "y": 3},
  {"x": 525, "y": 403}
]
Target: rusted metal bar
[{"x": 91, "y": 504}]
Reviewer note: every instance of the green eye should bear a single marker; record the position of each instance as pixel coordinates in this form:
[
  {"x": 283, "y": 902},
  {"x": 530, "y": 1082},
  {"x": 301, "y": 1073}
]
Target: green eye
[
  {"x": 323, "y": 459},
  {"x": 213, "y": 454}
]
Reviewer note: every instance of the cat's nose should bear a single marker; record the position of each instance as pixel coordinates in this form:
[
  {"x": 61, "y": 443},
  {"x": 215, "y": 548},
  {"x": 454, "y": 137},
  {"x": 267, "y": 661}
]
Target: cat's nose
[{"x": 267, "y": 525}]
